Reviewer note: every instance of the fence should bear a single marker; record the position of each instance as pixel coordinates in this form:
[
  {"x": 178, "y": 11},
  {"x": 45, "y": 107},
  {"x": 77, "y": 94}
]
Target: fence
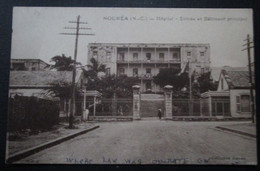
[
  {"x": 112, "y": 107},
  {"x": 31, "y": 113},
  {"x": 186, "y": 107},
  {"x": 200, "y": 107}
]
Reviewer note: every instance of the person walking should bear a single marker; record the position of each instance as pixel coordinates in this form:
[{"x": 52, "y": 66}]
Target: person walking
[{"x": 160, "y": 113}]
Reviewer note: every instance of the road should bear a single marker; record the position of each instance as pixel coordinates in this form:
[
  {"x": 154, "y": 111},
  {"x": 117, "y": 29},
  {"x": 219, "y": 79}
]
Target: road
[{"x": 153, "y": 142}]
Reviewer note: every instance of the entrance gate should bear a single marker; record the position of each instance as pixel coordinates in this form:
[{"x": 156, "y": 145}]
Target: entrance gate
[
  {"x": 147, "y": 105},
  {"x": 150, "y": 103}
]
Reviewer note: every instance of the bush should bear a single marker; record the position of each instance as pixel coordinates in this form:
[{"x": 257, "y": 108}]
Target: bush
[{"x": 31, "y": 113}]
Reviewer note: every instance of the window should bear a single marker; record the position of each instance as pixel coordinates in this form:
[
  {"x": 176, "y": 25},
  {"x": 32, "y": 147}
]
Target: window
[
  {"x": 121, "y": 71},
  {"x": 202, "y": 70},
  {"x": 188, "y": 53},
  {"x": 135, "y": 56},
  {"x": 108, "y": 56},
  {"x": 148, "y": 56},
  {"x": 243, "y": 103},
  {"x": 135, "y": 72},
  {"x": 175, "y": 56},
  {"x": 148, "y": 70},
  {"x": 121, "y": 56},
  {"x": 95, "y": 54},
  {"x": 201, "y": 53},
  {"x": 219, "y": 108},
  {"x": 148, "y": 85},
  {"x": 238, "y": 103},
  {"x": 222, "y": 84},
  {"x": 107, "y": 71},
  {"x": 161, "y": 56}
]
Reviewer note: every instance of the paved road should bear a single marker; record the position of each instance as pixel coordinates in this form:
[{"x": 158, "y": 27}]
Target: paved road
[{"x": 153, "y": 142}]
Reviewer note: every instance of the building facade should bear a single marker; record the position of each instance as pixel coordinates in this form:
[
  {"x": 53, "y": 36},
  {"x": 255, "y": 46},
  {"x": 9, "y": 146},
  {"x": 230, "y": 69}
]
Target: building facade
[
  {"x": 146, "y": 60},
  {"x": 238, "y": 86},
  {"x": 28, "y": 65},
  {"x": 38, "y": 84}
]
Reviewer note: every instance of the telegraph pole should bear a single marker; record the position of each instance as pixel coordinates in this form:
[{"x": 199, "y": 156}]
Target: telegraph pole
[
  {"x": 250, "y": 75},
  {"x": 73, "y": 87}
]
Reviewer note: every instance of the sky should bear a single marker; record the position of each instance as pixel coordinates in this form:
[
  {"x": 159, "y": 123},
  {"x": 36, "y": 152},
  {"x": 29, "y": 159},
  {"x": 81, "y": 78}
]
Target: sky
[{"x": 36, "y": 30}]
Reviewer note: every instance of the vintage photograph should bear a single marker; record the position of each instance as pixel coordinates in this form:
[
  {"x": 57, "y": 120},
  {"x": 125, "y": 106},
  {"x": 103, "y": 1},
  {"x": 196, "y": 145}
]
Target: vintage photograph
[{"x": 132, "y": 86}]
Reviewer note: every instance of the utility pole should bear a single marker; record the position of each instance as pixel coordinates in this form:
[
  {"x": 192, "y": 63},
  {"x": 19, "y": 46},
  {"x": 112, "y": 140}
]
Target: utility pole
[
  {"x": 250, "y": 75},
  {"x": 73, "y": 87},
  {"x": 190, "y": 88}
]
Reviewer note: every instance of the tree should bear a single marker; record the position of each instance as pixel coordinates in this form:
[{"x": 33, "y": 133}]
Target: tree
[
  {"x": 63, "y": 63},
  {"x": 170, "y": 76},
  {"x": 205, "y": 83},
  {"x": 95, "y": 67},
  {"x": 92, "y": 74},
  {"x": 174, "y": 77},
  {"x": 62, "y": 89},
  {"x": 119, "y": 85}
]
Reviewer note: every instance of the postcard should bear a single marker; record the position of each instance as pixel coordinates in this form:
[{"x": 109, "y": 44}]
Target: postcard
[{"x": 156, "y": 86}]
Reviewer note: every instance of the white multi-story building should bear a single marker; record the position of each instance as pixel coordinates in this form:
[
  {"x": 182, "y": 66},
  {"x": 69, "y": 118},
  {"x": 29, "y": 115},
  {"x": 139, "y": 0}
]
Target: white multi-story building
[{"x": 145, "y": 60}]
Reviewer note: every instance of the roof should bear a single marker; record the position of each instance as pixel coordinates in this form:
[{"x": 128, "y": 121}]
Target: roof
[
  {"x": 29, "y": 60},
  {"x": 171, "y": 45},
  {"x": 215, "y": 93},
  {"x": 40, "y": 78},
  {"x": 237, "y": 79},
  {"x": 215, "y": 71}
]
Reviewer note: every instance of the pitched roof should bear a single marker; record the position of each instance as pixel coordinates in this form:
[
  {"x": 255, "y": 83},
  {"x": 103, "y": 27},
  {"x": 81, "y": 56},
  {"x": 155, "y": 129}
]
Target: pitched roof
[
  {"x": 215, "y": 71},
  {"x": 40, "y": 78},
  {"x": 237, "y": 79}
]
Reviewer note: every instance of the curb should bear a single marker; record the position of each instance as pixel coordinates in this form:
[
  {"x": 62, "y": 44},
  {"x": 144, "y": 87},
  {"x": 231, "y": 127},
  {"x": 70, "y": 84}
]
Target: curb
[
  {"x": 210, "y": 119},
  {"x": 236, "y": 131},
  {"x": 25, "y": 153}
]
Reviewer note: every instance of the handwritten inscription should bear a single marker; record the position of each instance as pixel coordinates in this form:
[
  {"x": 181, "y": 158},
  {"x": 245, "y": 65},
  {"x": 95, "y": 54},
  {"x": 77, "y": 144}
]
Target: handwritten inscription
[
  {"x": 171, "y": 161},
  {"x": 108, "y": 160},
  {"x": 172, "y": 18}
]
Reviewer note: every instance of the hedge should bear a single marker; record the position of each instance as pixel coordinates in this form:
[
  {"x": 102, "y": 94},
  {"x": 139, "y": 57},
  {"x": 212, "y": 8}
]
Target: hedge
[{"x": 31, "y": 113}]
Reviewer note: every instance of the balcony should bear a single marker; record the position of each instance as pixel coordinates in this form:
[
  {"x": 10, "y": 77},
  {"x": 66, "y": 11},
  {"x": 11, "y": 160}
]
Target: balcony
[
  {"x": 149, "y": 61},
  {"x": 147, "y": 76}
]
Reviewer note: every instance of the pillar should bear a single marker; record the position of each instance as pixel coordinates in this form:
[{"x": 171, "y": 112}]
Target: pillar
[
  {"x": 168, "y": 101},
  {"x": 94, "y": 112},
  {"x": 84, "y": 116},
  {"x": 136, "y": 102}
]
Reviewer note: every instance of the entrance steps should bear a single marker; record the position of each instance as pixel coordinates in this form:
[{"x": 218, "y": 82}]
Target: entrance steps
[{"x": 152, "y": 97}]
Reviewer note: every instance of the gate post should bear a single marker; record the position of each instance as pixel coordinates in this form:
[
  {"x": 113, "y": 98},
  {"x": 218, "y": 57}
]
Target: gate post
[
  {"x": 136, "y": 102},
  {"x": 168, "y": 101}
]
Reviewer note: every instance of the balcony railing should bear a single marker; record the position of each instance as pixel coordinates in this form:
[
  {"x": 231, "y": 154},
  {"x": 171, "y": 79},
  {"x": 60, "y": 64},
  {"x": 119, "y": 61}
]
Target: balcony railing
[
  {"x": 146, "y": 76},
  {"x": 149, "y": 61}
]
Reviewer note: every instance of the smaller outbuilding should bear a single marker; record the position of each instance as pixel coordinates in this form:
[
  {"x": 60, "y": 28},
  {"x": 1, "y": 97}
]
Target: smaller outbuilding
[{"x": 232, "y": 97}]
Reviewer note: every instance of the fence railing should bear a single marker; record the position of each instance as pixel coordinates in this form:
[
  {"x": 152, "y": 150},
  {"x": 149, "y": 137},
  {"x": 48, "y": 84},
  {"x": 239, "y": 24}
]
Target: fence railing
[
  {"x": 148, "y": 61},
  {"x": 112, "y": 107},
  {"x": 200, "y": 107}
]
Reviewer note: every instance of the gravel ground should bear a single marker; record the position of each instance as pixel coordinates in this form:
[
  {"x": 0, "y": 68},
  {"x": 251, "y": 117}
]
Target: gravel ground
[
  {"x": 27, "y": 141},
  {"x": 153, "y": 142}
]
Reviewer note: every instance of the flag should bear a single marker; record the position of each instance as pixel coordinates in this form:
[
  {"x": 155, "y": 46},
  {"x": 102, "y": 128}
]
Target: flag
[{"x": 186, "y": 69}]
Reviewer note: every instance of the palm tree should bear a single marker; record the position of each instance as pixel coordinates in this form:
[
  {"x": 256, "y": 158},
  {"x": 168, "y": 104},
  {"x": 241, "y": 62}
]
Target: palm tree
[
  {"x": 63, "y": 63},
  {"x": 95, "y": 67}
]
